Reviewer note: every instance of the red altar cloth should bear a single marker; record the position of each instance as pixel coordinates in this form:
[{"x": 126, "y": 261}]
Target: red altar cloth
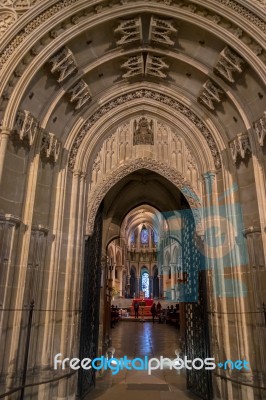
[{"x": 149, "y": 302}]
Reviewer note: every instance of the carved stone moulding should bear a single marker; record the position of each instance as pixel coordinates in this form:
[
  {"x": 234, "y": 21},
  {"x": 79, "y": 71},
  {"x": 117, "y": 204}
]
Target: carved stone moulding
[
  {"x": 260, "y": 129},
  {"x": 40, "y": 229},
  {"x": 63, "y": 64},
  {"x": 161, "y": 31},
  {"x": 240, "y": 146},
  {"x": 173, "y": 104},
  {"x": 229, "y": 65},
  {"x": 79, "y": 94},
  {"x": 50, "y": 147},
  {"x": 7, "y": 18},
  {"x": 144, "y": 65},
  {"x": 44, "y": 16},
  {"x": 210, "y": 95},
  {"x": 27, "y": 127},
  {"x": 130, "y": 31},
  {"x": 251, "y": 230},
  {"x": 10, "y": 219},
  {"x": 109, "y": 180}
]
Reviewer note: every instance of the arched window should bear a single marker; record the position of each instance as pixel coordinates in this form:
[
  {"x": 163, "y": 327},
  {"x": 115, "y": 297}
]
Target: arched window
[
  {"x": 145, "y": 284},
  {"x": 132, "y": 238},
  {"x": 144, "y": 235},
  {"x": 155, "y": 237}
]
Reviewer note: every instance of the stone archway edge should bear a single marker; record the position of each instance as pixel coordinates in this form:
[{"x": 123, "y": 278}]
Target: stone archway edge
[
  {"x": 155, "y": 96},
  {"x": 98, "y": 194}
]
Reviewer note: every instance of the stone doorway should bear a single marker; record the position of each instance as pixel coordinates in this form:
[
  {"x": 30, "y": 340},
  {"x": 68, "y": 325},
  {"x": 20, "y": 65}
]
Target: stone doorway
[{"x": 138, "y": 195}]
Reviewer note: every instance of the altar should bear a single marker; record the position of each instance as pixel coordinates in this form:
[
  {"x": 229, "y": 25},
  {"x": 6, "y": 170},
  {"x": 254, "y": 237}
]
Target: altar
[{"x": 147, "y": 307}]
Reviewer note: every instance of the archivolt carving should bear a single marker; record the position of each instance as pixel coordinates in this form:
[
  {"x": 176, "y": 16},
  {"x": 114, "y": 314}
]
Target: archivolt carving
[
  {"x": 167, "y": 147},
  {"x": 7, "y": 19},
  {"x": 175, "y": 105},
  {"x": 109, "y": 180},
  {"x": 11, "y": 47}
]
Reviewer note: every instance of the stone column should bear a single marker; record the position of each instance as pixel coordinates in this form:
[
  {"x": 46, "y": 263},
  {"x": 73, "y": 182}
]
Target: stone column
[
  {"x": 137, "y": 286},
  {"x": 256, "y": 274},
  {"x": 173, "y": 280},
  {"x": 4, "y": 136},
  {"x": 166, "y": 270},
  {"x": 65, "y": 301},
  {"x": 151, "y": 286},
  {"x": 120, "y": 278},
  {"x": 160, "y": 277}
]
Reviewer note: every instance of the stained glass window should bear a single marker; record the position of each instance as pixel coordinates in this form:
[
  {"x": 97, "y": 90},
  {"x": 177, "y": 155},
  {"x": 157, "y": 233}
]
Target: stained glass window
[
  {"x": 145, "y": 284},
  {"x": 155, "y": 237},
  {"x": 144, "y": 236},
  {"x": 132, "y": 238}
]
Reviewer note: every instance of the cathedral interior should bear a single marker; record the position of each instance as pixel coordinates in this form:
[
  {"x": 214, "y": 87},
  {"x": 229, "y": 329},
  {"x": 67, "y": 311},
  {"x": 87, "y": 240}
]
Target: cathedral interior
[{"x": 132, "y": 166}]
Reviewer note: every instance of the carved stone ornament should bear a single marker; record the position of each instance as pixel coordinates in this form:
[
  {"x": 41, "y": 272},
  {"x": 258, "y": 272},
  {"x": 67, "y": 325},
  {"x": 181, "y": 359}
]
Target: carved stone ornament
[
  {"x": 240, "y": 146},
  {"x": 63, "y": 64},
  {"x": 155, "y": 66},
  {"x": 50, "y": 148},
  {"x": 260, "y": 129},
  {"x": 11, "y": 5},
  {"x": 7, "y": 19},
  {"x": 229, "y": 64},
  {"x": 210, "y": 95},
  {"x": 80, "y": 94},
  {"x": 130, "y": 31},
  {"x": 10, "y": 219},
  {"x": 161, "y": 31},
  {"x": 175, "y": 105},
  {"x": 27, "y": 126},
  {"x": 134, "y": 66},
  {"x": 109, "y": 180},
  {"x": 169, "y": 148},
  {"x": 144, "y": 65},
  {"x": 143, "y": 132}
]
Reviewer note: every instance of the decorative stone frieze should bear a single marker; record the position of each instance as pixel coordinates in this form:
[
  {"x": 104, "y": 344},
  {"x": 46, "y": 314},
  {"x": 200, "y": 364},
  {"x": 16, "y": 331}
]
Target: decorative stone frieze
[
  {"x": 27, "y": 126},
  {"x": 175, "y": 105},
  {"x": 210, "y": 95},
  {"x": 63, "y": 64},
  {"x": 240, "y": 146},
  {"x": 130, "y": 31},
  {"x": 260, "y": 129},
  {"x": 161, "y": 31},
  {"x": 143, "y": 132},
  {"x": 80, "y": 94},
  {"x": 50, "y": 147},
  {"x": 229, "y": 64}
]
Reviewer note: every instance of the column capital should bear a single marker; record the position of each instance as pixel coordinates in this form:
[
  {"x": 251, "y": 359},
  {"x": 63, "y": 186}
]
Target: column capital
[
  {"x": 209, "y": 175},
  {"x": 4, "y": 130},
  {"x": 250, "y": 230}
]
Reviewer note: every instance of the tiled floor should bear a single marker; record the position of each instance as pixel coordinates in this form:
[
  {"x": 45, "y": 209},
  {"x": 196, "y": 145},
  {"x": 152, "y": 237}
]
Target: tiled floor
[{"x": 139, "y": 340}]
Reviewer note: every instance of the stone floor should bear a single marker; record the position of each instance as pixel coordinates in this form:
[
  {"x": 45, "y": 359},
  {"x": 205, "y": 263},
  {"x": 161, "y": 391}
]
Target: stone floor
[{"x": 139, "y": 340}]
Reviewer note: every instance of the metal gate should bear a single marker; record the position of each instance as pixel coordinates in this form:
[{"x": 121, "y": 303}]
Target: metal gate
[
  {"x": 197, "y": 328},
  {"x": 90, "y": 305}
]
